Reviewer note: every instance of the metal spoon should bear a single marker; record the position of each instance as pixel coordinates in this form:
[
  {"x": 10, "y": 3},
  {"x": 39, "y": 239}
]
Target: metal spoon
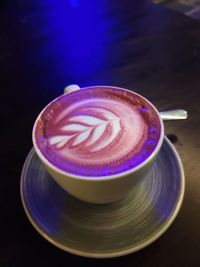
[{"x": 175, "y": 114}]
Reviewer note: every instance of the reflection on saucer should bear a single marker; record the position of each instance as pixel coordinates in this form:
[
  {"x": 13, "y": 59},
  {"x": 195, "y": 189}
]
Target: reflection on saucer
[{"x": 108, "y": 230}]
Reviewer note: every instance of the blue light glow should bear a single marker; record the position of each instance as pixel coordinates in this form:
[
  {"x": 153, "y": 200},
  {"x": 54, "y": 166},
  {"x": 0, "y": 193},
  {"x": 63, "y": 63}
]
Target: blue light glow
[{"x": 77, "y": 46}]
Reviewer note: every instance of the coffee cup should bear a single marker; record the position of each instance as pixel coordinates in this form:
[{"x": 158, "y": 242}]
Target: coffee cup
[{"x": 98, "y": 142}]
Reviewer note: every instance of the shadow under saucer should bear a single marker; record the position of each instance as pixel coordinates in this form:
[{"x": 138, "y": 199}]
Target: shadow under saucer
[{"x": 110, "y": 230}]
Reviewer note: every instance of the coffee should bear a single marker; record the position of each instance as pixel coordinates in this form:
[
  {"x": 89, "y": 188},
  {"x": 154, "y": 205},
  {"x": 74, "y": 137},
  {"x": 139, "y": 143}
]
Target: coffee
[{"x": 98, "y": 131}]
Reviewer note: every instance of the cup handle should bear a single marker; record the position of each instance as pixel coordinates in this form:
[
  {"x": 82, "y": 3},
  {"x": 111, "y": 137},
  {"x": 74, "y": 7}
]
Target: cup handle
[{"x": 71, "y": 88}]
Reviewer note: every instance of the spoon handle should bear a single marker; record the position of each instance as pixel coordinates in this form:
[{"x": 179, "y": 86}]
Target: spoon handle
[{"x": 175, "y": 114}]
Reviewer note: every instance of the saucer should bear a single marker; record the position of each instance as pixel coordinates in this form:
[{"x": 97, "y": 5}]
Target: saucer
[{"x": 109, "y": 230}]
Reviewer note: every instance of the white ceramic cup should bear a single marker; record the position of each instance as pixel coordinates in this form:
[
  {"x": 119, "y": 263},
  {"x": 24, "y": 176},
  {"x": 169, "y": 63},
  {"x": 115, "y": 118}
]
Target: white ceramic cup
[{"x": 102, "y": 189}]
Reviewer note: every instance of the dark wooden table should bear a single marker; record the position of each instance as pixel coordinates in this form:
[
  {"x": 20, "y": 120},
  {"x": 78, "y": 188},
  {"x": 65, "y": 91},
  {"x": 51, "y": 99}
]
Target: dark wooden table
[{"x": 46, "y": 45}]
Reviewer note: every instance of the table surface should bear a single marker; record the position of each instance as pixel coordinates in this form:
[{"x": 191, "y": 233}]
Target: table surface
[{"x": 46, "y": 45}]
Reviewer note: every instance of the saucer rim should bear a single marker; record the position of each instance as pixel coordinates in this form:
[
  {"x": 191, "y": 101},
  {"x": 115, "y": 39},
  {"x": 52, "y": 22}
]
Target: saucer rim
[{"x": 117, "y": 253}]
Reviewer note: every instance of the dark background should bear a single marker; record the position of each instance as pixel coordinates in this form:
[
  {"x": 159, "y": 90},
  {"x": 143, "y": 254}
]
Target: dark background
[{"x": 46, "y": 45}]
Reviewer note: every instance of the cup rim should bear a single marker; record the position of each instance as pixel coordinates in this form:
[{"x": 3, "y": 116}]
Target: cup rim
[{"x": 99, "y": 178}]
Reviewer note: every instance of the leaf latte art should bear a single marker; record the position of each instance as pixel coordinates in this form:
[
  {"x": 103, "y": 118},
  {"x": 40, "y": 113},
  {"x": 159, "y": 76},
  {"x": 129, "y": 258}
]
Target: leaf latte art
[
  {"x": 94, "y": 132},
  {"x": 89, "y": 130}
]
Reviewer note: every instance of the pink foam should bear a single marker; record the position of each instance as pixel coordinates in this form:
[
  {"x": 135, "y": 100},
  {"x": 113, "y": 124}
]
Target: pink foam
[{"x": 94, "y": 130}]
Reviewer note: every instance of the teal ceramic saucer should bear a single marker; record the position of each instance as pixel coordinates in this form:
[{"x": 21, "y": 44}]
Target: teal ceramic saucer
[{"x": 110, "y": 230}]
